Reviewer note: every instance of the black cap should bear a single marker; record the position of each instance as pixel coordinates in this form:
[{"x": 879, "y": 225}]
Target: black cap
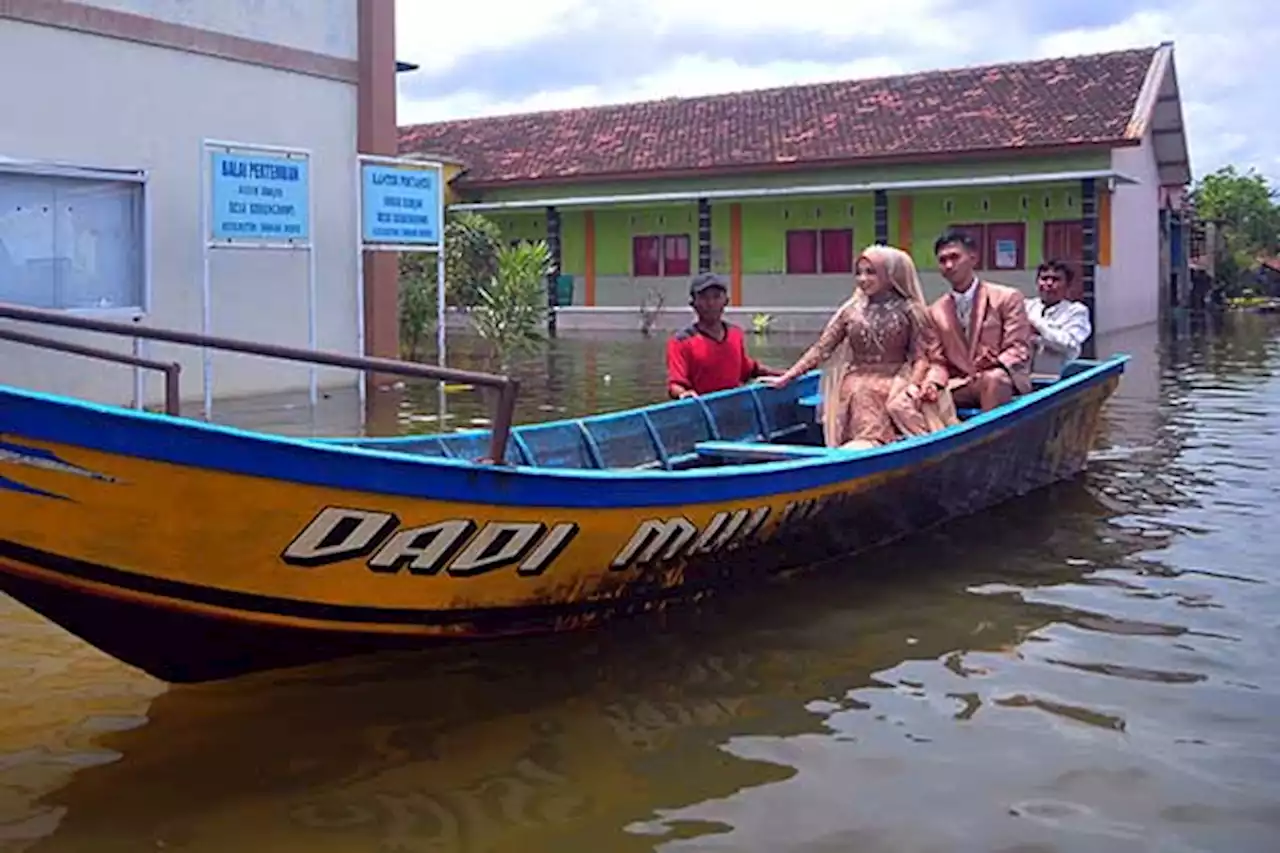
[{"x": 706, "y": 281}]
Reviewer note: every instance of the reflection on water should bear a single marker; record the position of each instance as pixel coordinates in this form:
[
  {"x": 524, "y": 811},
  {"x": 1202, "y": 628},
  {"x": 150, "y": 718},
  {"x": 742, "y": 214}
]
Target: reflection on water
[{"x": 1088, "y": 669}]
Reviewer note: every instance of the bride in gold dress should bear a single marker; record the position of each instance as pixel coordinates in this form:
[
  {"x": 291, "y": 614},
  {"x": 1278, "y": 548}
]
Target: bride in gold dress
[{"x": 882, "y": 377}]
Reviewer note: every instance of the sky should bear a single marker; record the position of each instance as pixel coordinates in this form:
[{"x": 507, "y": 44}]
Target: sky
[{"x": 489, "y": 57}]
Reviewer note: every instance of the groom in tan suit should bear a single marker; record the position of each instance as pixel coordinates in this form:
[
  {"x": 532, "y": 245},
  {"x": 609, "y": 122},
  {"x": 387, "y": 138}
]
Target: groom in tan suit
[{"x": 983, "y": 327}]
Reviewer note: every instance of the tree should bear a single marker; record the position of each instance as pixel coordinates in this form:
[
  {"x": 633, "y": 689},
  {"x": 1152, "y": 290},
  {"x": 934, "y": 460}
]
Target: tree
[
  {"x": 511, "y": 313},
  {"x": 417, "y": 300},
  {"x": 471, "y": 246},
  {"x": 1246, "y": 204},
  {"x": 1247, "y": 211}
]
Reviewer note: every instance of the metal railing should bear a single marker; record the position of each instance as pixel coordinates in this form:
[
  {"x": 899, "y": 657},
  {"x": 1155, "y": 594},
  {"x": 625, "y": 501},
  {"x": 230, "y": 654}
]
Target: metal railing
[
  {"x": 171, "y": 369},
  {"x": 504, "y": 406}
]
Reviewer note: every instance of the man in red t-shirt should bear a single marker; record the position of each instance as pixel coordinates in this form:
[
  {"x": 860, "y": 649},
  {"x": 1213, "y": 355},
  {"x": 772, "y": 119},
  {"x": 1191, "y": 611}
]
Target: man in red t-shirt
[{"x": 710, "y": 355}]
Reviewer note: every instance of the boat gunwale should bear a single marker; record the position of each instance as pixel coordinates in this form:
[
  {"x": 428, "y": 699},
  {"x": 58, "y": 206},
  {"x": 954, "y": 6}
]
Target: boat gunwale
[{"x": 493, "y": 484}]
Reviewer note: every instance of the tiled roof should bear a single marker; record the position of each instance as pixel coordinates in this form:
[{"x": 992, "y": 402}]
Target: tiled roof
[{"x": 1047, "y": 103}]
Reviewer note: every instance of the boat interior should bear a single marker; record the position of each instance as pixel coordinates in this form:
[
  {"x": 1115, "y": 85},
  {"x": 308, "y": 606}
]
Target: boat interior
[{"x": 736, "y": 427}]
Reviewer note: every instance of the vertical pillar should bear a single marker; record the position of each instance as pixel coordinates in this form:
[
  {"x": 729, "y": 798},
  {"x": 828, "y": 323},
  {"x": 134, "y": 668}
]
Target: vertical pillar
[
  {"x": 735, "y": 253},
  {"x": 906, "y": 224},
  {"x": 1165, "y": 265},
  {"x": 1104, "y": 227},
  {"x": 553, "y": 276},
  {"x": 882, "y": 217},
  {"x": 589, "y": 274},
  {"x": 376, "y": 134},
  {"x": 704, "y": 235},
  {"x": 1177, "y": 259},
  {"x": 1089, "y": 256}
]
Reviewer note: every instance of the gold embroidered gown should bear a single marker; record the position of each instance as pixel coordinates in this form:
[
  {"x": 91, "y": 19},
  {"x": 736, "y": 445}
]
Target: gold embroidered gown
[{"x": 874, "y": 350}]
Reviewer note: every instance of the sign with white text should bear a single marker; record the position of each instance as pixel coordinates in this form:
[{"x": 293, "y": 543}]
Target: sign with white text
[
  {"x": 260, "y": 198},
  {"x": 401, "y": 204}
]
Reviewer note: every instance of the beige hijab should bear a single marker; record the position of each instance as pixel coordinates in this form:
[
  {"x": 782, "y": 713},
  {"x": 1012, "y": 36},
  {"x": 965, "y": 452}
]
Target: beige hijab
[{"x": 895, "y": 266}]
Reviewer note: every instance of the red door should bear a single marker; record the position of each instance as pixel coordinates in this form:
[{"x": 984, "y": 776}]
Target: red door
[
  {"x": 1064, "y": 241},
  {"x": 1006, "y": 246}
]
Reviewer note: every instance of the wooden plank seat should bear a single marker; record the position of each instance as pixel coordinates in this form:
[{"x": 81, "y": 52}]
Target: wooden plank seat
[{"x": 758, "y": 451}]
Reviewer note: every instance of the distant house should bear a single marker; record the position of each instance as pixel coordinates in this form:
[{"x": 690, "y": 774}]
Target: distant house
[
  {"x": 779, "y": 189},
  {"x": 1268, "y": 275}
]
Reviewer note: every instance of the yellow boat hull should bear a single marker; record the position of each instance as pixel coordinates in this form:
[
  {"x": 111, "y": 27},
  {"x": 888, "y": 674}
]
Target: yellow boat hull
[{"x": 152, "y": 538}]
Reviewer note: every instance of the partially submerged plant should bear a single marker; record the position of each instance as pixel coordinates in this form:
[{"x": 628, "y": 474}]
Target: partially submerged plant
[
  {"x": 471, "y": 247},
  {"x": 472, "y": 243},
  {"x": 417, "y": 301},
  {"x": 649, "y": 313},
  {"x": 511, "y": 313}
]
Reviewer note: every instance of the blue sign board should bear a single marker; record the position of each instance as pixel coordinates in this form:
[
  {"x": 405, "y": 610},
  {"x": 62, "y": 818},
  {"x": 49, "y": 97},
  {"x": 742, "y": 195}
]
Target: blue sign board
[
  {"x": 401, "y": 204},
  {"x": 260, "y": 198}
]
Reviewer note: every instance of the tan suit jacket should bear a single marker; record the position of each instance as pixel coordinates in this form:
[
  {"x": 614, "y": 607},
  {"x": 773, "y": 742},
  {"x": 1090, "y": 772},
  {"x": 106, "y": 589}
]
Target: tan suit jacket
[{"x": 1001, "y": 331}]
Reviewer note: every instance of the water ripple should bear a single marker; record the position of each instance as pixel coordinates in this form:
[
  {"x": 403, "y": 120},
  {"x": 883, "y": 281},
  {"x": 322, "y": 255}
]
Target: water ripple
[{"x": 1089, "y": 668}]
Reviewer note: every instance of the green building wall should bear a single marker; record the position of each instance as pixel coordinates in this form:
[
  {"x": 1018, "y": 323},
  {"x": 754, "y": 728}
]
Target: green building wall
[{"x": 765, "y": 223}]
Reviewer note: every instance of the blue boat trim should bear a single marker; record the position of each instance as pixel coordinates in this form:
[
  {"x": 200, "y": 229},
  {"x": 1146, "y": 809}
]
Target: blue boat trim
[
  {"x": 14, "y": 486},
  {"x": 710, "y": 418},
  {"x": 658, "y": 446},
  {"x": 593, "y": 449},
  {"x": 37, "y": 457},
  {"x": 526, "y": 455},
  {"x": 378, "y": 467}
]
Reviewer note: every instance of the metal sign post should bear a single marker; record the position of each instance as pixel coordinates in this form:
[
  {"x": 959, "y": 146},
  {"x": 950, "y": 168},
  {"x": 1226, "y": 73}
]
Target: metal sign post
[
  {"x": 401, "y": 210},
  {"x": 255, "y": 197}
]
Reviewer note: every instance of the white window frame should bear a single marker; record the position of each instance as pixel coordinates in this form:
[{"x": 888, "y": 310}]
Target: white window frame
[{"x": 14, "y": 166}]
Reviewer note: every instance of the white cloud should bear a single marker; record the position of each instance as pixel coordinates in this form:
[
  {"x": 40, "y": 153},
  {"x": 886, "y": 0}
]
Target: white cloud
[
  {"x": 434, "y": 35},
  {"x": 687, "y": 76},
  {"x": 1223, "y": 50}
]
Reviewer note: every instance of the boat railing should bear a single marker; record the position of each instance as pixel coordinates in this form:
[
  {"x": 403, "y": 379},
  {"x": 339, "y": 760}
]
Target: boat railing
[
  {"x": 171, "y": 369},
  {"x": 506, "y": 386}
]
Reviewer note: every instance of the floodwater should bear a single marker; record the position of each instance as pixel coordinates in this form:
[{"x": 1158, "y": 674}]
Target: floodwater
[{"x": 1093, "y": 668}]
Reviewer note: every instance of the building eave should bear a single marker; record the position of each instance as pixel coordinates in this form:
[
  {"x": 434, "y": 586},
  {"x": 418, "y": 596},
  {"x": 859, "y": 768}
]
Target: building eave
[
  {"x": 749, "y": 193},
  {"x": 975, "y": 155},
  {"x": 434, "y": 157},
  {"x": 1157, "y": 114}
]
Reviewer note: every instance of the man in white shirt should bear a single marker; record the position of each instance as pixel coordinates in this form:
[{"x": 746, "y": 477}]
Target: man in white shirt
[{"x": 1059, "y": 326}]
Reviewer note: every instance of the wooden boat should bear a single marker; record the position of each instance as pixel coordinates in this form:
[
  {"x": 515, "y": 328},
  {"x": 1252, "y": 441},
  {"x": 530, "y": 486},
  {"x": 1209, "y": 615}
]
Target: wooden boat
[{"x": 197, "y": 551}]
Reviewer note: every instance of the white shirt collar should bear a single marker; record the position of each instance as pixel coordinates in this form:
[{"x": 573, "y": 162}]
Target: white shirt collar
[
  {"x": 967, "y": 296},
  {"x": 1061, "y": 303}
]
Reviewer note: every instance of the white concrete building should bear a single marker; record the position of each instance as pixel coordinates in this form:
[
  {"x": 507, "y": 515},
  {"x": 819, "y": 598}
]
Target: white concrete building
[{"x": 102, "y": 196}]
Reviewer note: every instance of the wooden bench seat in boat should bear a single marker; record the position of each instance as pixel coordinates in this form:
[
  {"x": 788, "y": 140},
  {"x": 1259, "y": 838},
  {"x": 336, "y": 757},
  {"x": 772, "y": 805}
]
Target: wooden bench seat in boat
[
  {"x": 748, "y": 451},
  {"x": 809, "y": 404}
]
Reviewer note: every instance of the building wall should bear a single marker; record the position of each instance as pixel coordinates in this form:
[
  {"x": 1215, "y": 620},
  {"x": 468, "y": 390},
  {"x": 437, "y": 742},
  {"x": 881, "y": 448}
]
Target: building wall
[
  {"x": 916, "y": 218},
  {"x": 1133, "y": 289},
  {"x": 110, "y": 102},
  {"x": 320, "y": 26}
]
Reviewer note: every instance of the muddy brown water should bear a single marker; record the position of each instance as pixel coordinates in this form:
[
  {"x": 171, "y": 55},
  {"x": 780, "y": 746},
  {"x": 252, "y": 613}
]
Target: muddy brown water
[{"x": 1093, "y": 668}]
